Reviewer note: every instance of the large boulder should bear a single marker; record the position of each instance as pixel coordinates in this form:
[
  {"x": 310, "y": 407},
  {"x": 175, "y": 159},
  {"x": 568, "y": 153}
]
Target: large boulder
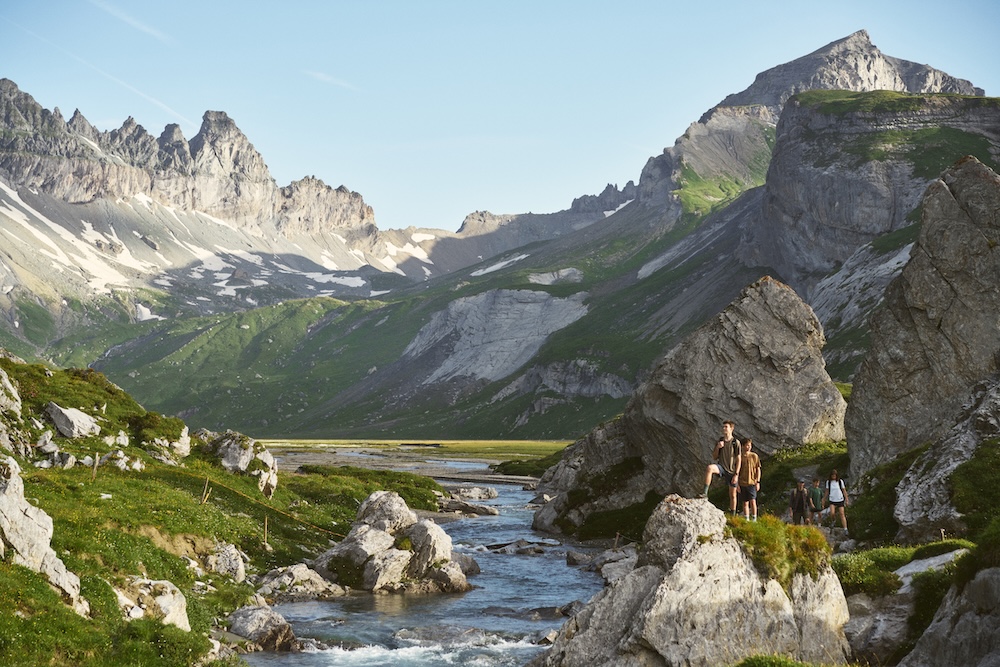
[
  {"x": 758, "y": 363},
  {"x": 71, "y": 422},
  {"x": 935, "y": 336},
  {"x": 297, "y": 583},
  {"x": 26, "y": 532},
  {"x": 147, "y": 598},
  {"x": 388, "y": 549},
  {"x": 242, "y": 454},
  {"x": 965, "y": 629},
  {"x": 264, "y": 627},
  {"x": 695, "y": 598}
]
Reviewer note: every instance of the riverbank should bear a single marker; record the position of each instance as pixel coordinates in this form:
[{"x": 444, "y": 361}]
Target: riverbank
[{"x": 428, "y": 461}]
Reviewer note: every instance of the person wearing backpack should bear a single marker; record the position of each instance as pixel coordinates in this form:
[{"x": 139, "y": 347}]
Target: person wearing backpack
[
  {"x": 836, "y": 495},
  {"x": 798, "y": 503},
  {"x": 727, "y": 457}
]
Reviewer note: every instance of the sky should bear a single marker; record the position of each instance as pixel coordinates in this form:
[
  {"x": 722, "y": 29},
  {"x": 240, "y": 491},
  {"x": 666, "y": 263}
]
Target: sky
[{"x": 432, "y": 110}]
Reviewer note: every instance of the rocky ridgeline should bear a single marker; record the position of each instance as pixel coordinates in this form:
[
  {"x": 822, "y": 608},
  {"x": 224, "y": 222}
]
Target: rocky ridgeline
[
  {"x": 218, "y": 172},
  {"x": 695, "y": 598},
  {"x": 758, "y": 363}
]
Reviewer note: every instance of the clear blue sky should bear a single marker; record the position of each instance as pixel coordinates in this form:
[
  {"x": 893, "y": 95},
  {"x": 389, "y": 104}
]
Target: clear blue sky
[{"x": 432, "y": 110}]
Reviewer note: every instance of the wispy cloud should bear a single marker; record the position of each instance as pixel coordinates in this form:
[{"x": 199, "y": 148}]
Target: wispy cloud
[
  {"x": 111, "y": 77},
  {"x": 135, "y": 23},
  {"x": 333, "y": 81}
]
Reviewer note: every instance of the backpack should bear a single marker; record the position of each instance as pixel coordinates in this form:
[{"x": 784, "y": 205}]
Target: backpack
[{"x": 843, "y": 491}]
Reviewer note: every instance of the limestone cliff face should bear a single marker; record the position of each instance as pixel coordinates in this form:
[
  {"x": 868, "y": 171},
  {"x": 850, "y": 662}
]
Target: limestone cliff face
[
  {"x": 935, "y": 336},
  {"x": 839, "y": 179},
  {"x": 758, "y": 363}
]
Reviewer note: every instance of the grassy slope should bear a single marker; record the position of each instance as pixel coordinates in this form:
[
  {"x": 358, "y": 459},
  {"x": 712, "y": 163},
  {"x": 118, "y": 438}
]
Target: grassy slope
[{"x": 112, "y": 524}]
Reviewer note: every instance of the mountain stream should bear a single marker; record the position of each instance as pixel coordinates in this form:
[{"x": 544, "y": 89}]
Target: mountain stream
[{"x": 495, "y": 624}]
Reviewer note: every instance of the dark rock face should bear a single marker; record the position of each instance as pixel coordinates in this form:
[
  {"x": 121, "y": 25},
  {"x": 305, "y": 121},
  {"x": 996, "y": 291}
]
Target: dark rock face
[
  {"x": 758, "y": 363},
  {"x": 829, "y": 192},
  {"x": 935, "y": 336}
]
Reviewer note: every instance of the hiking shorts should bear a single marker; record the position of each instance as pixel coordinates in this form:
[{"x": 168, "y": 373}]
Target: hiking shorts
[
  {"x": 725, "y": 474},
  {"x": 749, "y": 492}
]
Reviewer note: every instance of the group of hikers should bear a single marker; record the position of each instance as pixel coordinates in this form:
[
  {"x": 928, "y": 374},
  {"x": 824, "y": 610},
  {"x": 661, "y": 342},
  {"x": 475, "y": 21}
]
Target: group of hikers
[{"x": 739, "y": 466}]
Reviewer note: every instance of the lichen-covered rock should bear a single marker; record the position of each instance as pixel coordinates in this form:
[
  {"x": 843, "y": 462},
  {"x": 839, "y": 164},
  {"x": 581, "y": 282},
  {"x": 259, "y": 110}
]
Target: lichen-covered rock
[
  {"x": 295, "y": 583},
  {"x": 693, "y": 592},
  {"x": 161, "y": 600},
  {"x": 935, "y": 336},
  {"x": 264, "y": 627},
  {"x": 387, "y": 549},
  {"x": 240, "y": 453},
  {"x": 227, "y": 560}
]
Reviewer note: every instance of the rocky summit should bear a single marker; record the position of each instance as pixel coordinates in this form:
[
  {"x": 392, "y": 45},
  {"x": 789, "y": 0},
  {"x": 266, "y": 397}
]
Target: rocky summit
[
  {"x": 935, "y": 336},
  {"x": 758, "y": 363}
]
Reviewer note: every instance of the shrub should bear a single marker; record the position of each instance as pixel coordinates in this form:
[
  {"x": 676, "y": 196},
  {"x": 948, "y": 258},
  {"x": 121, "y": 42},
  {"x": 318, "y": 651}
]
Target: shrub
[
  {"x": 929, "y": 589},
  {"x": 859, "y": 574},
  {"x": 779, "y": 550}
]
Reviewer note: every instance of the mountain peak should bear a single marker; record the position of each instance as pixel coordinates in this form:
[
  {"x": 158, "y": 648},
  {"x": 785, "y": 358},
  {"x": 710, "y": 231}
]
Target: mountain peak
[{"x": 851, "y": 63}]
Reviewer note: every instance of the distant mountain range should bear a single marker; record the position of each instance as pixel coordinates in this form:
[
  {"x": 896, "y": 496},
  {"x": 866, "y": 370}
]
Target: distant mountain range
[{"x": 180, "y": 269}]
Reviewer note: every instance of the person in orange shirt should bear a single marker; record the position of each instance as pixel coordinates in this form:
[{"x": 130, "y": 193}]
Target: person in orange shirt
[{"x": 749, "y": 480}]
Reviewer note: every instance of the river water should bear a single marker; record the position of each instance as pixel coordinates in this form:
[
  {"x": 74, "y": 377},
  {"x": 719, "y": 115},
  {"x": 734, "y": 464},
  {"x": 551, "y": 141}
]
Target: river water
[{"x": 493, "y": 625}]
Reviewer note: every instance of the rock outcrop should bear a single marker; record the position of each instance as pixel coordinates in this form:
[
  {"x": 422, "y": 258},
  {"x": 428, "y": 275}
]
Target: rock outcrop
[
  {"x": 935, "y": 336},
  {"x": 25, "y": 535},
  {"x": 758, "y": 363},
  {"x": 692, "y": 587},
  {"x": 851, "y": 63},
  {"x": 879, "y": 628},
  {"x": 388, "y": 549},
  {"x": 71, "y": 422},
  {"x": 239, "y": 453},
  {"x": 160, "y": 600},
  {"x": 266, "y": 628},
  {"x": 965, "y": 629},
  {"x": 923, "y": 497}
]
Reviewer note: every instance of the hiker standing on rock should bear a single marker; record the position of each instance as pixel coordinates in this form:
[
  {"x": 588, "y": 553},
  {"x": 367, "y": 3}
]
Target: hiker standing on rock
[
  {"x": 727, "y": 455},
  {"x": 749, "y": 480}
]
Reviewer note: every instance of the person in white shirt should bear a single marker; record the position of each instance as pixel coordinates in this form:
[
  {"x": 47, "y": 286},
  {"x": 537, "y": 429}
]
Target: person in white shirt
[{"x": 835, "y": 494}]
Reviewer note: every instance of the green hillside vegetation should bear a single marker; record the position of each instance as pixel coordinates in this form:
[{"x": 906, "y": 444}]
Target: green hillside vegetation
[{"x": 110, "y": 524}]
